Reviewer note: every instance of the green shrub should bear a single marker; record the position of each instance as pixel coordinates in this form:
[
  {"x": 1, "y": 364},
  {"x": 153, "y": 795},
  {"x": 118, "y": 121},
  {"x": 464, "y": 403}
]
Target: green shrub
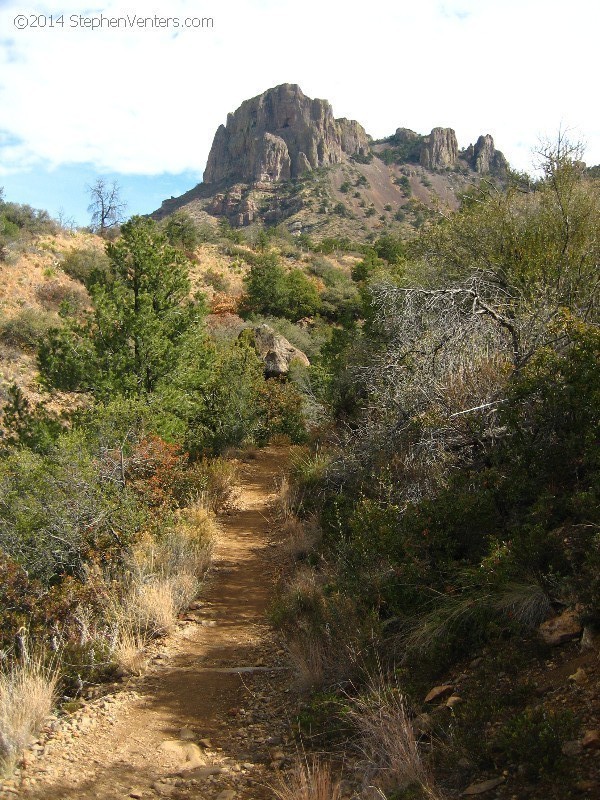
[
  {"x": 341, "y": 210},
  {"x": 363, "y": 270},
  {"x": 57, "y": 510},
  {"x": 271, "y": 290},
  {"x": 404, "y": 183},
  {"x": 26, "y": 329},
  {"x": 535, "y": 737},
  {"x": 182, "y": 231},
  {"x": 85, "y": 264},
  {"x": 303, "y": 298},
  {"x": 225, "y": 230},
  {"x": 17, "y": 220}
]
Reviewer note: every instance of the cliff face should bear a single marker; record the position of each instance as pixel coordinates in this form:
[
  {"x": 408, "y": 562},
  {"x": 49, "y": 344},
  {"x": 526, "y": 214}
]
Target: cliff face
[
  {"x": 440, "y": 149},
  {"x": 279, "y": 135},
  {"x": 483, "y": 157}
]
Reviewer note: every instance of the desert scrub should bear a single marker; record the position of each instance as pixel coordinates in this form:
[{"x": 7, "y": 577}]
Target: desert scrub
[
  {"x": 26, "y": 329},
  {"x": 165, "y": 575},
  {"x": 299, "y": 538},
  {"x": 53, "y": 293},
  {"x": 215, "y": 480},
  {"x": 536, "y": 736},
  {"x": 323, "y": 720},
  {"x": 307, "y": 476},
  {"x": 329, "y": 637},
  {"x": 85, "y": 263}
]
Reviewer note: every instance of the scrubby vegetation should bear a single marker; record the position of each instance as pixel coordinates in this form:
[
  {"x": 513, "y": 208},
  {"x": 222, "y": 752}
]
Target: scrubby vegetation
[
  {"x": 442, "y": 499},
  {"x": 107, "y": 501},
  {"x": 458, "y": 507}
]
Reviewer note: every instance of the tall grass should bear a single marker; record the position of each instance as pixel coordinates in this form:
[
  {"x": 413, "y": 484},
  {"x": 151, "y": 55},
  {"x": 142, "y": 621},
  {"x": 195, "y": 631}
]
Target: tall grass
[
  {"x": 308, "y": 780},
  {"x": 165, "y": 577},
  {"x": 470, "y": 611},
  {"x": 299, "y": 538},
  {"x": 393, "y": 761},
  {"x": 217, "y": 479},
  {"x": 27, "y": 694}
]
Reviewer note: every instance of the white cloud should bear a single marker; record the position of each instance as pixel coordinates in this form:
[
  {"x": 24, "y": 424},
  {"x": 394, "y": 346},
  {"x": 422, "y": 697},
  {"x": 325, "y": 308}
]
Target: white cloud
[{"x": 149, "y": 101}]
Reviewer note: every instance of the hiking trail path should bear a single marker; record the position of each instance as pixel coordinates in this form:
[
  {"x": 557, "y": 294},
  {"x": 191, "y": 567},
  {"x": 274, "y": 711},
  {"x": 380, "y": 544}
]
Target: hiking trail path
[{"x": 210, "y": 718}]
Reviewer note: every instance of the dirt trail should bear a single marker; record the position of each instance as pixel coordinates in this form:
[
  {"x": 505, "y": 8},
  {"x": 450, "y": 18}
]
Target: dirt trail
[{"x": 193, "y": 726}]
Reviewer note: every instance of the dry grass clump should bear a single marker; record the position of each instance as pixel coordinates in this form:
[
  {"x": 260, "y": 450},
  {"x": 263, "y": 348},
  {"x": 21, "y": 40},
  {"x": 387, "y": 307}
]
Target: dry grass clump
[
  {"x": 187, "y": 547},
  {"x": 151, "y": 607},
  {"x": 308, "y": 780},
  {"x": 326, "y": 634},
  {"x": 300, "y": 538},
  {"x": 288, "y": 499},
  {"x": 217, "y": 479},
  {"x": 128, "y": 651},
  {"x": 165, "y": 577},
  {"x": 27, "y": 693},
  {"x": 311, "y": 657},
  {"x": 392, "y": 758}
]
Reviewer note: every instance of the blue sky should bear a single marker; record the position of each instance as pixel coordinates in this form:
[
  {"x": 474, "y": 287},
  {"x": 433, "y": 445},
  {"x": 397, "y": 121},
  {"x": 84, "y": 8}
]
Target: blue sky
[
  {"x": 142, "y": 104},
  {"x": 63, "y": 190}
]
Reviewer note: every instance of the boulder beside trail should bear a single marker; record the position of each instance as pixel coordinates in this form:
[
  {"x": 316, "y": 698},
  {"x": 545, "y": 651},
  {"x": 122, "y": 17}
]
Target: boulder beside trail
[
  {"x": 275, "y": 351},
  {"x": 561, "y": 628}
]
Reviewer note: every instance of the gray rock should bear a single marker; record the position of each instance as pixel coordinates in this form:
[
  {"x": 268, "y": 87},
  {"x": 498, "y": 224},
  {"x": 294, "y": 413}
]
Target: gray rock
[
  {"x": 184, "y": 752},
  {"x": 484, "y": 158},
  {"x": 278, "y": 135},
  {"x": 482, "y": 787},
  {"x": 275, "y": 351},
  {"x": 440, "y": 149}
]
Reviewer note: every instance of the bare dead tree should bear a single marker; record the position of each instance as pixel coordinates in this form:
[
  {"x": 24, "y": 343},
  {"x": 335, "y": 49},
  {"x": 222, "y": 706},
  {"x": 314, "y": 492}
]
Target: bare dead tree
[{"x": 106, "y": 207}]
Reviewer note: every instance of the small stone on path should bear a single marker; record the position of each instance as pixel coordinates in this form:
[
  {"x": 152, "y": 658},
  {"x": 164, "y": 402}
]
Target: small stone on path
[
  {"x": 226, "y": 794},
  {"x": 483, "y": 787},
  {"x": 591, "y": 740},
  {"x": 186, "y": 752},
  {"x": 439, "y": 692}
]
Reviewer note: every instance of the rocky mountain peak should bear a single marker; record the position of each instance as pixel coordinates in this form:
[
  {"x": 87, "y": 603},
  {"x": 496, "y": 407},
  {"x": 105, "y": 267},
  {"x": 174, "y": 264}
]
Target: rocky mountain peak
[
  {"x": 440, "y": 149},
  {"x": 484, "y": 158},
  {"x": 278, "y": 135}
]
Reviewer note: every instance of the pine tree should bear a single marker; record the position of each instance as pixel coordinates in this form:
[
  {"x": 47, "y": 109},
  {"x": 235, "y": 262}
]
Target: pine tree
[{"x": 142, "y": 314}]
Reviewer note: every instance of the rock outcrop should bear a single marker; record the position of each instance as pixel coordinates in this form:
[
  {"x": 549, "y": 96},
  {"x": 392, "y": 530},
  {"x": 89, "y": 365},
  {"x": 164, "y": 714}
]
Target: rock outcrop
[
  {"x": 275, "y": 351},
  {"x": 440, "y": 149},
  {"x": 279, "y": 135},
  {"x": 484, "y": 158},
  {"x": 562, "y": 628},
  {"x": 233, "y": 204}
]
